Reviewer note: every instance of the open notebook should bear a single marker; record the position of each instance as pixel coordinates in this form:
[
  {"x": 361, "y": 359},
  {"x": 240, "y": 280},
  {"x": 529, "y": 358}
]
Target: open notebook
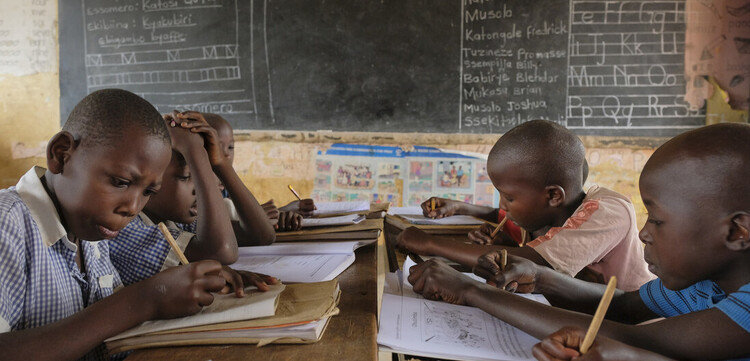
[
  {"x": 365, "y": 229},
  {"x": 302, "y": 315},
  {"x": 413, "y": 325}
]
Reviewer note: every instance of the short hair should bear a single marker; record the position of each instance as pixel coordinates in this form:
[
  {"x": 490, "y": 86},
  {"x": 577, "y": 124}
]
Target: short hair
[
  {"x": 723, "y": 153},
  {"x": 216, "y": 121},
  {"x": 106, "y": 114},
  {"x": 549, "y": 152}
]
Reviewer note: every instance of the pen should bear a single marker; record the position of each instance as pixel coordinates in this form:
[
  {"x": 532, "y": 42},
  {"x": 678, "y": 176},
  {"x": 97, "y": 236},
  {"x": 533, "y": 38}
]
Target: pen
[
  {"x": 294, "y": 192},
  {"x": 601, "y": 310},
  {"x": 172, "y": 243}
]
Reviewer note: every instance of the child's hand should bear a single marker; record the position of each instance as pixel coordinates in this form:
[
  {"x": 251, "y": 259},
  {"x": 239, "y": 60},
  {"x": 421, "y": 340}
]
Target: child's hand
[
  {"x": 435, "y": 280},
  {"x": 237, "y": 280},
  {"x": 289, "y": 221},
  {"x": 305, "y": 207},
  {"x": 413, "y": 240},
  {"x": 182, "y": 140},
  {"x": 520, "y": 274},
  {"x": 482, "y": 235},
  {"x": 182, "y": 291},
  {"x": 443, "y": 207},
  {"x": 565, "y": 343},
  {"x": 195, "y": 123},
  {"x": 271, "y": 212}
]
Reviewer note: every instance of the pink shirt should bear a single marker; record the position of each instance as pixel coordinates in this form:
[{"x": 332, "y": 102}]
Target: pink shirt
[{"x": 601, "y": 235}]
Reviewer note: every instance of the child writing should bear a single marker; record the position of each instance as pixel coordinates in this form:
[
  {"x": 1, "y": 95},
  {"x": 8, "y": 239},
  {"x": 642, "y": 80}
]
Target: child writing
[
  {"x": 697, "y": 240},
  {"x": 286, "y": 218},
  {"x": 538, "y": 168},
  {"x": 57, "y": 298}
]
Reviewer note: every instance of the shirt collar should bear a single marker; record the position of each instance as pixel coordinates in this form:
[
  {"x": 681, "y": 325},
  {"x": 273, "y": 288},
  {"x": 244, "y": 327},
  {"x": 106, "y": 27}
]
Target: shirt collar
[{"x": 41, "y": 207}]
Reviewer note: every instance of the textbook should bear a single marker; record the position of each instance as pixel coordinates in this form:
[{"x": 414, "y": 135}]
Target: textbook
[
  {"x": 332, "y": 221},
  {"x": 416, "y": 326},
  {"x": 299, "y": 262},
  {"x": 302, "y": 316},
  {"x": 330, "y": 208},
  {"x": 365, "y": 229}
]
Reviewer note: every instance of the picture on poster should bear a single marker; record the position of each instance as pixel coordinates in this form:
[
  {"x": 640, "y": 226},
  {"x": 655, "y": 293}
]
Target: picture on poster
[
  {"x": 420, "y": 186},
  {"x": 482, "y": 176},
  {"x": 420, "y": 171},
  {"x": 323, "y": 181},
  {"x": 485, "y": 195},
  {"x": 389, "y": 170},
  {"x": 387, "y": 186},
  {"x": 321, "y": 196},
  {"x": 322, "y": 165},
  {"x": 339, "y": 197},
  {"x": 354, "y": 176},
  {"x": 454, "y": 173},
  {"x": 355, "y": 197},
  {"x": 394, "y": 199}
]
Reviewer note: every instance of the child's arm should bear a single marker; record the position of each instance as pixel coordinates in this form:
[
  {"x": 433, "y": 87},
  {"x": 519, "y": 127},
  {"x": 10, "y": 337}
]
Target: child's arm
[
  {"x": 254, "y": 227},
  {"x": 305, "y": 207},
  {"x": 702, "y": 335},
  {"x": 565, "y": 344},
  {"x": 177, "y": 292},
  {"x": 414, "y": 240},
  {"x": 214, "y": 238},
  {"x": 447, "y": 207}
]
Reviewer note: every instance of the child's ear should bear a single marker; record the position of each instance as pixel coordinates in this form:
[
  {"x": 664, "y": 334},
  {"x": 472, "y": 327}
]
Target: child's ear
[
  {"x": 59, "y": 149},
  {"x": 739, "y": 232},
  {"x": 555, "y": 195}
]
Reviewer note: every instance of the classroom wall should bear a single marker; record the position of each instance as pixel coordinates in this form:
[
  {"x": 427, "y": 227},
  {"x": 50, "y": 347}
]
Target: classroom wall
[{"x": 265, "y": 160}]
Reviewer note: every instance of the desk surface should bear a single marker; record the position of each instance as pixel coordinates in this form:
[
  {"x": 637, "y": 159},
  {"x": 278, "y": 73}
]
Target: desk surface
[{"x": 351, "y": 335}]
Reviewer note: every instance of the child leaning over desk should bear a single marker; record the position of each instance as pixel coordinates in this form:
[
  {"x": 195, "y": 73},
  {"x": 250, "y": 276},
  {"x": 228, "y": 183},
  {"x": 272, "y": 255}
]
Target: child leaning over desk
[
  {"x": 57, "y": 283},
  {"x": 538, "y": 168},
  {"x": 697, "y": 240},
  {"x": 286, "y": 218}
]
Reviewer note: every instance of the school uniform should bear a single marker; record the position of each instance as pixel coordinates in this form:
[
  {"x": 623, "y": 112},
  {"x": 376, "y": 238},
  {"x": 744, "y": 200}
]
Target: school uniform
[
  {"x": 141, "y": 251},
  {"x": 40, "y": 282},
  {"x": 700, "y": 296},
  {"x": 602, "y": 237}
]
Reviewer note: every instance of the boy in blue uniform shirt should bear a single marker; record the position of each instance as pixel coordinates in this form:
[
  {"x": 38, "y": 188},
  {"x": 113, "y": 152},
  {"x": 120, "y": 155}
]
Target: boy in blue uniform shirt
[
  {"x": 57, "y": 282},
  {"x": 697, "y": 240}
]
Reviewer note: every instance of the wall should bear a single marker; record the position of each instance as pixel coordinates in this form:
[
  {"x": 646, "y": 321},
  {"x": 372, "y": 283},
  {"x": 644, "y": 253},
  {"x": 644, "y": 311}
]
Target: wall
[{"x": 265, "y": 160}]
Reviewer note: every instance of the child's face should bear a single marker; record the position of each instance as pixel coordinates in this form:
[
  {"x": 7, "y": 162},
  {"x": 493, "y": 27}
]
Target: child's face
[
  {"x": 227, "y": 142},
  {"x": 682, "y": 242},
  {"x": 101, "y": 188},
  {"x": 525, "y": 203},
  {"x": 176, "y": 201}
]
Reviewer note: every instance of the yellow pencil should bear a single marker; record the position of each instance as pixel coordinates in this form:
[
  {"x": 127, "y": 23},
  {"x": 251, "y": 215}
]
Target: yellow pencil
[
  {"x": 172, "y": 243},
  {"x": 499, "y": 227},
  {"x": 294, "y": 192},
  {"x": 601, "y": 310},
  {"x": 432, "y": 204}
]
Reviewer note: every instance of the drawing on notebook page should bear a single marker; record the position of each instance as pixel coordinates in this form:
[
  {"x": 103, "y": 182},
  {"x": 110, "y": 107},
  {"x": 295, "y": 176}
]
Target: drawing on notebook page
[{"x": 450, "y": 326}]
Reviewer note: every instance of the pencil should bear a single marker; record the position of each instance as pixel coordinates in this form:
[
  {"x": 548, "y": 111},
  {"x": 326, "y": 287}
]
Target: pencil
[
  {"x": 294, "y": 192},
  {"x": 432, "y": 204},
  {"x": 416, "y": 258},
  {"x": 498, "y": 228},
  {"x": 172, "y": 243},
  {"x": 503, "y": 258},
  {"x": 599, "y": 315}
]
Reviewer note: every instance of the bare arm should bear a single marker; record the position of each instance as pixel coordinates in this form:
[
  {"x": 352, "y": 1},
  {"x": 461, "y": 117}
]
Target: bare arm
[
  {"x": 447, "y": 207},
  {"x": 254, "y": 228},
  {"x": 676, "y": 337}
]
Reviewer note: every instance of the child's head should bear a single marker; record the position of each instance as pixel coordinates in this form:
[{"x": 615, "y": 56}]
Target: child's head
[
  {"x": 176, "y": 200},
  {"x": 106, "y": 162},
  {"x": 696, "y": 189},
  {"x": 538, "y": 168},
  {"x": 224, "y": 129}
]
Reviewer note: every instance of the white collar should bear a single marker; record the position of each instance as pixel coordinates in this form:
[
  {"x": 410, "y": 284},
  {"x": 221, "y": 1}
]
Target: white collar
[{"x": 41, "y": 207}]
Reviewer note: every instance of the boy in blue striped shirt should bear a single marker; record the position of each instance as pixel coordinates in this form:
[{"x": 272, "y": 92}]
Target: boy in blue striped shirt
[
  {"x": 57, "y": 281},
  {"x": 696, "y": 188}
]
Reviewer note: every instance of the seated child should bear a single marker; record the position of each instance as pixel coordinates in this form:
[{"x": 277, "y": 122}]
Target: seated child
[
  {"x": 697, "y": 240},
  {"x": 57, "y": 283},
  {"x": 286, "y": 218},
  {"x": 188, "y": 194},
  {"x": 538, "y": 168}
]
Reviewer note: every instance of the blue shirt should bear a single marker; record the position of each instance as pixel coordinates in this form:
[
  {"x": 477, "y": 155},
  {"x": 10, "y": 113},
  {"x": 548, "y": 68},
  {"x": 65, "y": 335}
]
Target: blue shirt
[
  {"x": 40, "y": 282},
  {"x": 700, "y": 296},
  {"x": 140, "y": 250}
]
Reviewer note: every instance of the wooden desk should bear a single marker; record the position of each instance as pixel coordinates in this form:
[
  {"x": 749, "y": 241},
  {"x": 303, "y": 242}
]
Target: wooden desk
[{"x": 351, "y": 335}]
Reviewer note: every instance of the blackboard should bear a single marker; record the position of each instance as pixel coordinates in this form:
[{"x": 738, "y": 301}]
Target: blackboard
[{"x": 459, "y": 66}]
